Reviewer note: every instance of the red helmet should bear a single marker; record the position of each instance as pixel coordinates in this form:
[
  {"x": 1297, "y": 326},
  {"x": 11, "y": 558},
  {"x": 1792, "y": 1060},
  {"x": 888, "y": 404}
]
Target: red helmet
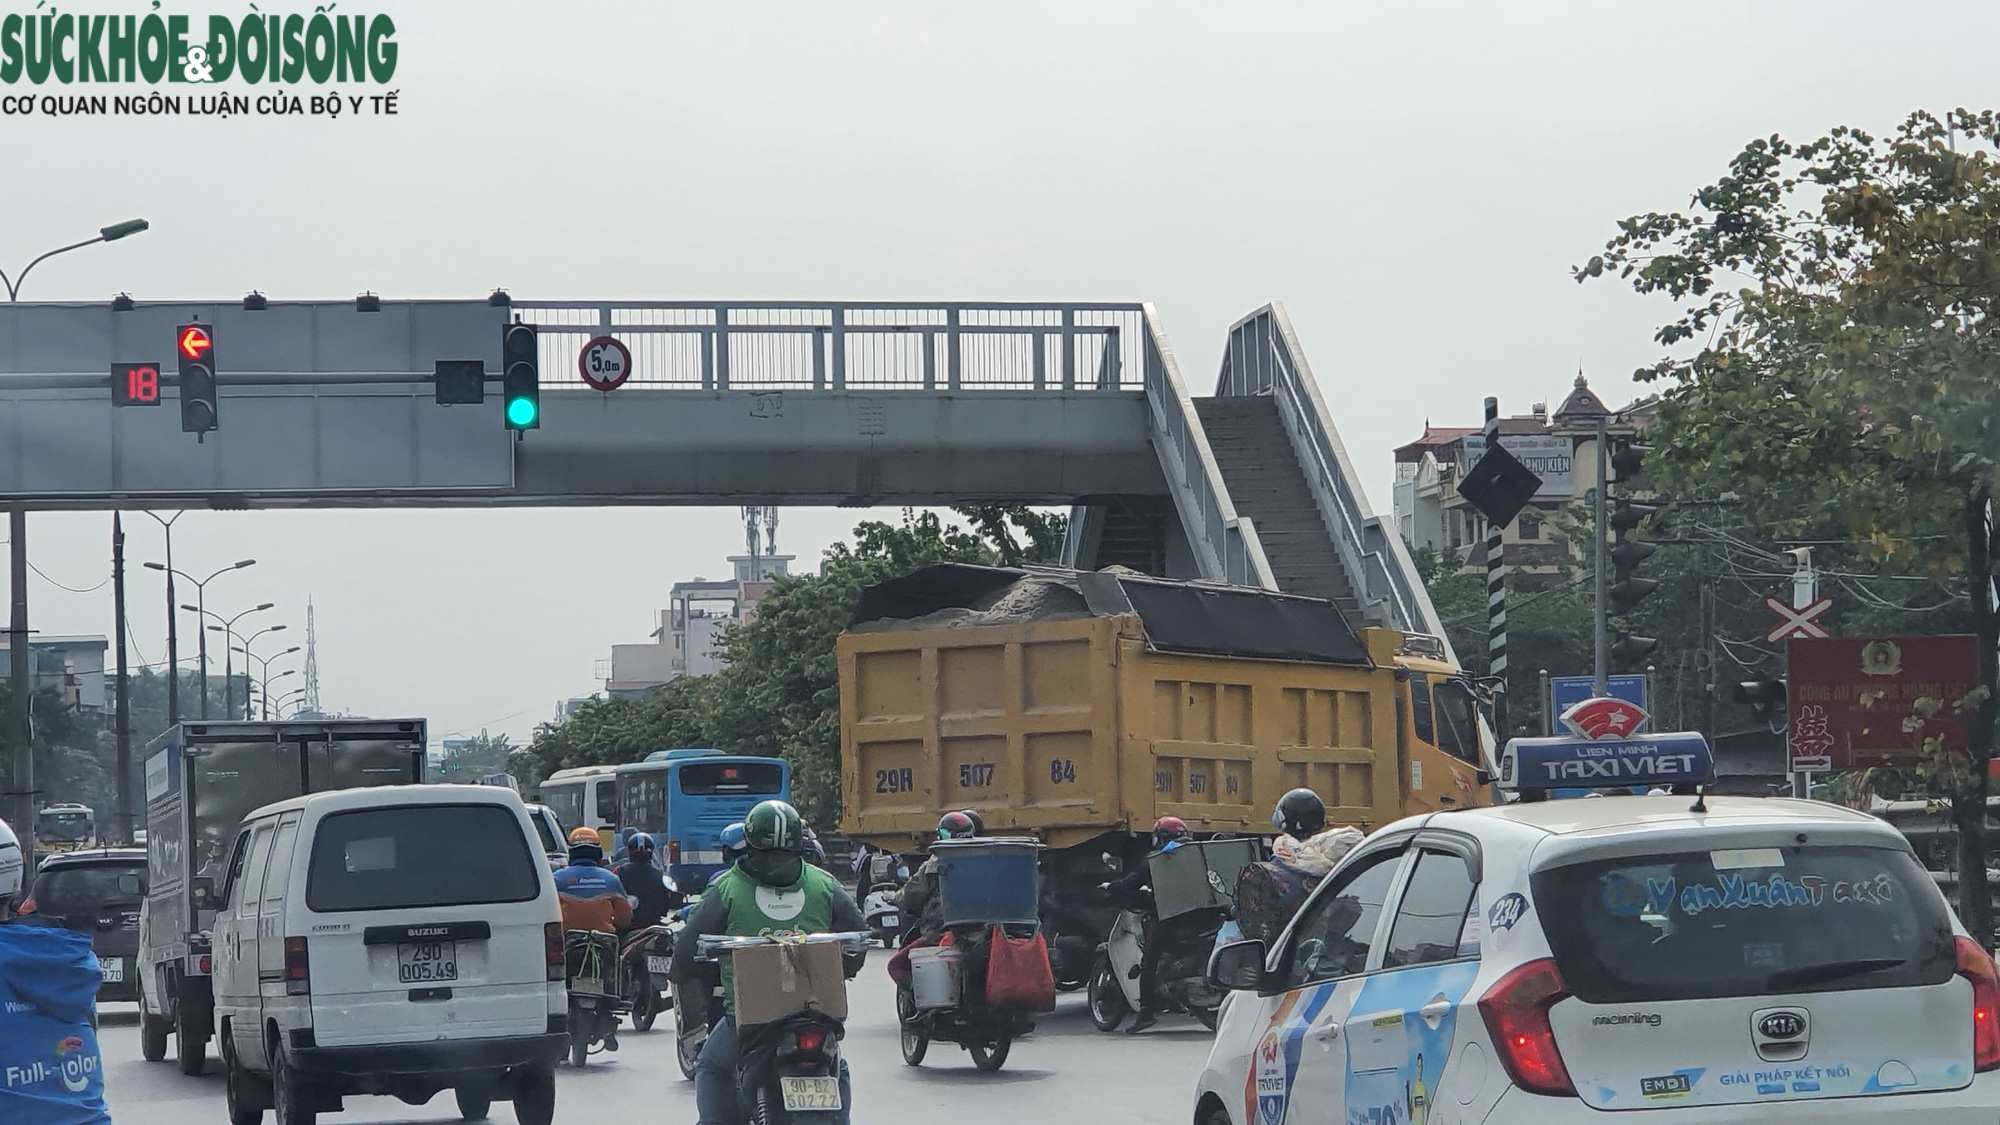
[{"x": 1167, "y": 829}]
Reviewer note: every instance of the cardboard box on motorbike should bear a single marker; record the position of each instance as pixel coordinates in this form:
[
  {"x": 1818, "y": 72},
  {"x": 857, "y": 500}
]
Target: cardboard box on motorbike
[
  {"x": 773, "y": 981},
  {"x": 1199, "y": 875}
]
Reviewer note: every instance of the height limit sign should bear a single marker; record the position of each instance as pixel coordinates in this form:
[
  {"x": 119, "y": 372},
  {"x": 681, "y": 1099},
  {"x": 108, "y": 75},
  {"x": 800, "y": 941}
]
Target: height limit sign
[{"x": 604, "y": 363}]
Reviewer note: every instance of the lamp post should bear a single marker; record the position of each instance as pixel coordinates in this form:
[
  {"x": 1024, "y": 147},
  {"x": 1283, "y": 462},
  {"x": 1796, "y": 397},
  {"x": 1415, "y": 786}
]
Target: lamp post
[
  {"x": 228, "y": 631},
  {"x": 264, "y": 692},
  {"x": 264, "y": 664},
  {"x": 200, "y": 607},
  {"x": 173, "y": 636},
  {"x": 278, "y": 705},
  {"x": 20, "y": 724}
]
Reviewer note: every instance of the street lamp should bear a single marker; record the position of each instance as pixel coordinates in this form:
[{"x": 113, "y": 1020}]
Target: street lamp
[
  {"x": 278, "y": 705},
  {"x": 264, "y": 694},
  {"x": 201, "y": 602},
  {"x": 264, "y": 663},
  {"x": 228, "y": 631},
  {"x": 173, "y": 639},
  {"x": 112, "y": 233}
]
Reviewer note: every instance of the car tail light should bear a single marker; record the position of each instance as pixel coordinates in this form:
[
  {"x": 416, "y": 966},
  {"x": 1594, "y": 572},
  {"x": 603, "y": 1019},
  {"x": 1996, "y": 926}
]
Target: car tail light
[
  {"x": 298, "y": 969},
  {"x": 27, "y": 906},
  {"x": 1974, "y": 965},
  {"x": 1516, "y": 1010},
  {"x": 552, "y": 944},
  {"x": 206, "y": 965},
  {"x": 673, "y": 851}
]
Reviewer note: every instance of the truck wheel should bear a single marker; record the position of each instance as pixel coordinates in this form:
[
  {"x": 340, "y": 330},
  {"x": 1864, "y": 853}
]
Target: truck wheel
[
  {"x": 153, "y": 1032},
  {"x": 190, "y": 1046},
  {"x": 1105, "y": 999},
  {"x": 244, "y": 1094},
  {"x": 535, "y": 1098},
  {"x": 474, "y": 1102},
  {"x": 293, "y": 1099}
]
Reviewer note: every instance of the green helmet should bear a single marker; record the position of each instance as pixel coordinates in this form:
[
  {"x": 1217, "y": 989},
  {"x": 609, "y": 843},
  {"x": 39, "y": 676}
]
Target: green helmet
[{"x": 775, "y": 826}]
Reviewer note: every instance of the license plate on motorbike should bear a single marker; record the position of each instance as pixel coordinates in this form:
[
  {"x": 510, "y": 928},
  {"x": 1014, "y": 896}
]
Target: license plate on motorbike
[
  {"x": 421, "y": 962},
  {"x": 803, "y": 1094},
  {"x": 891, "y": 921},
  {"x": 658, "y": 964}
]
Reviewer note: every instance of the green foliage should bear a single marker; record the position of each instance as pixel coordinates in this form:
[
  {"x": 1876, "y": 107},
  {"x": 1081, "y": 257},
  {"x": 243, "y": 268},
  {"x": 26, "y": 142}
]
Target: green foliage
[
  {"x": 480, "y": 755},
  {"x": 779, "y": 696}
]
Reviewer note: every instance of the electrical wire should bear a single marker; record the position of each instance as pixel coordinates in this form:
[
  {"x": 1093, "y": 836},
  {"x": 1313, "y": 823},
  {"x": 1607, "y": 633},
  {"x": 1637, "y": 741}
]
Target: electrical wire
[{"x": 71, "y": 589}]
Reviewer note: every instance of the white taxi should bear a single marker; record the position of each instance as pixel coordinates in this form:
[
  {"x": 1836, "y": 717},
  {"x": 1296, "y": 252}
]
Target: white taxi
[{"x": 1541, "y": 963}]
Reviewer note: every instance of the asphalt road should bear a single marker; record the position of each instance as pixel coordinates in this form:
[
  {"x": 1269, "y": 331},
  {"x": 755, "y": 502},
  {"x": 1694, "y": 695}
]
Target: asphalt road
[{"x": 1067, "y": 1071}]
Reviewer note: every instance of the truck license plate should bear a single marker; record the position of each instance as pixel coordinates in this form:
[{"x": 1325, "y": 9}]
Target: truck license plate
[
  {"x": 114, "y": 970},
  {"x": 420, "y": 962},
  {"x": 658, "y": 964},
  {"x": 810, "y": 1093}
]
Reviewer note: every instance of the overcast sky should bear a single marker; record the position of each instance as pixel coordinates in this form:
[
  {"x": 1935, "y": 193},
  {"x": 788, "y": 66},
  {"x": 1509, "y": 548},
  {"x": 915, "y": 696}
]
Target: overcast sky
[{"x": 1412, "y": 180}]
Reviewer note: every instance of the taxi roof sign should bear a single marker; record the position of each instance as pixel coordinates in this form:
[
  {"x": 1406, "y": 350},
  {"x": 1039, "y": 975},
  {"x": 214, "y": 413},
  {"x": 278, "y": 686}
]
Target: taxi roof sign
[{"x": 1562, "y": 762}]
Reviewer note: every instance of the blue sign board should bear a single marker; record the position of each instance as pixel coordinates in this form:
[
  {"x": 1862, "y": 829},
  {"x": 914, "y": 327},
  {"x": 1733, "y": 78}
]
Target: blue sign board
[
  {"x": 1568, "y": 691},
  {"x": 1643, "y": 760}
]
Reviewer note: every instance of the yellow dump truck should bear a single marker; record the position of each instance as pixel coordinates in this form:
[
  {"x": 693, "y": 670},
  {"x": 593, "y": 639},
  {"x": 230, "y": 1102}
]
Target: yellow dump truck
[{"x": 1079, "y": 707}]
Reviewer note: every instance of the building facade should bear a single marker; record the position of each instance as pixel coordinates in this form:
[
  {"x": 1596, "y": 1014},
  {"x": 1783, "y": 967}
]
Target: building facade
[{"x": 73, "y": 666}]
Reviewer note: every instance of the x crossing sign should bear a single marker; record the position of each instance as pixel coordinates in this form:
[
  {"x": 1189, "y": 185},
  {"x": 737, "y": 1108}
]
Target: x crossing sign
[{"x": 1796, "y": 622}]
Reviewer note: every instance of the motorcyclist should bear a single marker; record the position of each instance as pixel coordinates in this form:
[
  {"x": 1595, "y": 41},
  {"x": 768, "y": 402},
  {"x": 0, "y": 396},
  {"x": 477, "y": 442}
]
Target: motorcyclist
[
  {"x": 592, "y": 898},
  {"x": 1305, "y": 844},
  {"x": 646, "y": 884},
  {"x": 919, "y": 900},
  {"x": 730, "y": 839},
  {"x": 772, "y": 890},
  {"x": 1169, "y": 833}
]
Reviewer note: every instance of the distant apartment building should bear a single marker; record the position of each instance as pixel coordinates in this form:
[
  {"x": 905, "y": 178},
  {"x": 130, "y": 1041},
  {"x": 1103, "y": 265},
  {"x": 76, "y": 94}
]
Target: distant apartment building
[
  {"x": 687, "y": 635},
  {"x": 1560, "y": 447},
  {"x": 73, "y": 666}
]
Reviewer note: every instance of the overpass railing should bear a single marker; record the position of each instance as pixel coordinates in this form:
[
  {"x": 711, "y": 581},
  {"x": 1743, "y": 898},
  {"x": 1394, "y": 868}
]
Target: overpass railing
[
  {"x": 882, "y": 345},
  {"x": 1264, "y": 358},
  {"x": 1225, "y": 544}
]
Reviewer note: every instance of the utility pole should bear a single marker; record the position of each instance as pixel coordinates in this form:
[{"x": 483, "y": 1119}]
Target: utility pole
[
  {"x": 19, "y": 725},
  {"x": 127, "y": 826},
  {"x": 1602, "y": 666},
  {"x": 1805, "y": 591},
  {"x": 1496, "y": 595}
]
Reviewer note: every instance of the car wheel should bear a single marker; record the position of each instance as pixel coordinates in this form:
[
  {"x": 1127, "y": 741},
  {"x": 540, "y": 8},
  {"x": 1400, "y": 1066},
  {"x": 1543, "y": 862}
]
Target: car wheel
[
  {"x": 1216, "y": 1117},
  {"x": 190, "y": 1047},
  {"x": 244, "y": 1094},
  {"x": 291, "y": 1097},
  {"x": 990, "y": 1057},
  {"x": 535, "y": 1097},
  {"x": 474, "y": 1102},
  {"x": 153, "y": 1032},
  {"x": 1105, "y": 999}
]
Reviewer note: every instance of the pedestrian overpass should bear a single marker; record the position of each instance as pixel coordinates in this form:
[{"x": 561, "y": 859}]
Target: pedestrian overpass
[{"x": 331, "y": 404}]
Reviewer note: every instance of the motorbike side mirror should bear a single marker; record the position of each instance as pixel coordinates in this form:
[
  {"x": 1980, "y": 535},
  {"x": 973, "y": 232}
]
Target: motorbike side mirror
[{"x": 1238, "y": 966}]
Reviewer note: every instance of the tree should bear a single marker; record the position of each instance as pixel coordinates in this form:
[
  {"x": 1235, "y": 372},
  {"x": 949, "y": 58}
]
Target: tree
[
  {"x": 477, "y": 757},
  {"x": 1838, "y": 353},
  {"x": 779, "y": 694}
]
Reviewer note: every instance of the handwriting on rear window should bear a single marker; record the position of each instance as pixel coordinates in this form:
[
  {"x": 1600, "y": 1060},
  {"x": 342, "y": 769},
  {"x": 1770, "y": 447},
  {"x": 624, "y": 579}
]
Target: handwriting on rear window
[{"x": 1623, "y": 897}]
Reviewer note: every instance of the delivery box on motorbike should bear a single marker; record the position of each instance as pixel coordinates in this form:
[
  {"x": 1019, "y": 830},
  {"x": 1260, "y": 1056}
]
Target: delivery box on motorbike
[
  {"x": 774, "y": 980},
  {"x": 934, "y": 976},
  {"x": 1198, "y": 875},
  {"x": 983, "y": 882}
]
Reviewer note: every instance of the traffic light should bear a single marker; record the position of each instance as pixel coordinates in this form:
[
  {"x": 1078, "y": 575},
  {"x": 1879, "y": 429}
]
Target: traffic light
[
  {"x": 521, "y": 377},
  {"x": 194, "y": 347},
  {"x": 1627, "y": 461},
  {"x": 1631, "y": 650},
  {"x": 1627, "y": 554},
  {"x": 1762, "y": 696},
  {"x": 459, "y": 381}
]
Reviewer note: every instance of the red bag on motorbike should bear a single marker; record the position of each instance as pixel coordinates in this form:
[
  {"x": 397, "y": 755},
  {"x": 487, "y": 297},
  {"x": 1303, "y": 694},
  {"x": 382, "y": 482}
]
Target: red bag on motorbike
[{"x": 1018, "y": 975}]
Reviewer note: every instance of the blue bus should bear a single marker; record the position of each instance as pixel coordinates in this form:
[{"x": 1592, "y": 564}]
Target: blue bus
[{"x": 685, "y": 798}]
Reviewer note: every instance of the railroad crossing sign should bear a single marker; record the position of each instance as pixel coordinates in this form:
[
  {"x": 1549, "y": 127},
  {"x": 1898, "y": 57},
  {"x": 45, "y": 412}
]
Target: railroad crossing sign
[
  {"x": 1796, "y": 622},
  {"x": 604, "y": 363}
]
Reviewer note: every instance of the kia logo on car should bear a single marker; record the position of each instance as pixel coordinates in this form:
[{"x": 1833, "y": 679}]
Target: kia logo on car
[{"x": 1782, "y": 1025}]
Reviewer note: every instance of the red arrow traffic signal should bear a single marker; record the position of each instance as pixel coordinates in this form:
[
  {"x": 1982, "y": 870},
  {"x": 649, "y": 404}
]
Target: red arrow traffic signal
[{"x": 195, "y": 341}]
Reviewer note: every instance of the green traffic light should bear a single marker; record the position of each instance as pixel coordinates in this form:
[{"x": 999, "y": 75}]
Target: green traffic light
[{"x": 521, "y": 411}]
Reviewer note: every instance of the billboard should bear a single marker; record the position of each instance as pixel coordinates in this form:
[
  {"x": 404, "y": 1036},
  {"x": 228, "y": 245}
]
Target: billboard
[
  {"x": 1852, "y": 701},
  {"x": 1551, "y": 458}
]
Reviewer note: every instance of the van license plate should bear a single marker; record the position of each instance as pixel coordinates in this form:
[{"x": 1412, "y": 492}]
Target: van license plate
[
  {"x": 114, "y": 970},
  {"x": 810, "y": 1093},
  {"x": 658, "y": 964},
  {"x": 419, "y": 962}
]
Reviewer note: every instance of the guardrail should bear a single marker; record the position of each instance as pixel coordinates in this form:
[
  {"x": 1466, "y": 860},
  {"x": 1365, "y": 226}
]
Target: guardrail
[
  {"x": 1264, "y": 358},
  {"x": 1225, "y": 543},
  {"x": 883, "y": 345}
]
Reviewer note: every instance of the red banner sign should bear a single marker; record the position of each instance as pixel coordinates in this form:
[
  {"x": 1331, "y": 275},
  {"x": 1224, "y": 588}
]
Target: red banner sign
[{"x": 1853, "y": 701}]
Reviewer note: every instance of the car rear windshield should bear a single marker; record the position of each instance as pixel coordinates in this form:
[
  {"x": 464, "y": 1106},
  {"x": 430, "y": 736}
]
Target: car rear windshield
[
  {"x": 706, "y": 778},
  {"x": 84, "y": 888},
  {"x": 1744, "y": 922},
  {"x": 421, "y": 855}
]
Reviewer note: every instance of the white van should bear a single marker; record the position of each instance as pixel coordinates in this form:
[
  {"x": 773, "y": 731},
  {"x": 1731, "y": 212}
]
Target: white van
[{"x": 395, "y": 940}]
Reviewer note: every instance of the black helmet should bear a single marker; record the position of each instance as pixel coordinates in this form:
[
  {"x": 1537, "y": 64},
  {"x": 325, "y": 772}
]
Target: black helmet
[
  {"x": 1300, "y": 814},
  {"x": 956, "y": 826},
  {"x": 638, "y": 844},
  {"x": 978, "y": 822}
]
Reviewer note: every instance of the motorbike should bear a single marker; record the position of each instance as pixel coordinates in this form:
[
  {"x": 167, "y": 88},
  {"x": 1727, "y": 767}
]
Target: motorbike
[
  {"x": 646, "y": 959},
  {"x": 595, "y": 1001},
  {"x": 986, "y": 1034},
  {"x": 788, "y": 1069},
  {"x": 1181, "y": 980},
  {"x": 885, "y": 918}
]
